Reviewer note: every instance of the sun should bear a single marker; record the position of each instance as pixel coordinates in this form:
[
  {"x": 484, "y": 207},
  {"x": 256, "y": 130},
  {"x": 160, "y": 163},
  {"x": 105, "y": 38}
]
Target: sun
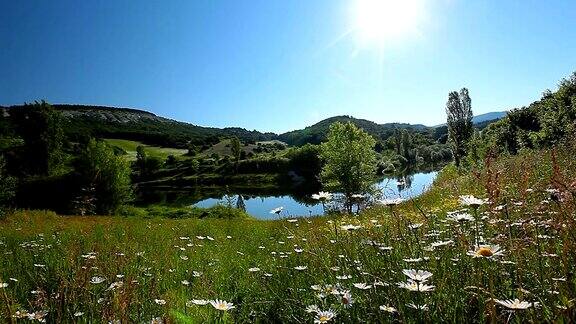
[{"x": 380, "y": 21}]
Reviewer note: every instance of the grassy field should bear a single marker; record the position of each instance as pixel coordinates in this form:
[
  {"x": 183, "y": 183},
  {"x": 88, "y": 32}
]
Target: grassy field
[
  {"x": 155, "y": 151},
  {"x": 224, "y": 147},
  {"x": 518, "y": 245}
]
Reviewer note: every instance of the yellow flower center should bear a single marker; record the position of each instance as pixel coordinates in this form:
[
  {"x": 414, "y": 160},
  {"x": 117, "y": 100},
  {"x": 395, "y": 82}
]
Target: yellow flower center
[
  {"x": 324, "y": 319},
  {"x": 485, "y": 252}
]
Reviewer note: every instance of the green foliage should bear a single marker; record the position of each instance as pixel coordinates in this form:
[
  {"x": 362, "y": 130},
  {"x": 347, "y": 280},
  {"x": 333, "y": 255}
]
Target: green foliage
[
  {"x": 305, "y": 160},
  {"x": 141, "y": 160},
  {"x": 158, "y": 211},
  {"x": 108, "y": 174},
  {"x": 40, "y": 126},
  {"x": 236, "y": 148},
  {"x": 350, "y": 161},
  {"x": 542, "y": 124},
  {"x": 170, "y": 160},
  {"x": 459, "y": 121},
  {"x": 7, "y": 188}
]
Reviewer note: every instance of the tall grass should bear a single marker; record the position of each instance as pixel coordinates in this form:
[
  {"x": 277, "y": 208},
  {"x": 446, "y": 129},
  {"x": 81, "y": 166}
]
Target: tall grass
[{"x": 96, "y": 269}]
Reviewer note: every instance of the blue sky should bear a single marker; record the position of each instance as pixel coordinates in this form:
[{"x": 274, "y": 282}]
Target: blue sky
[{"x": 277, "y": 65}]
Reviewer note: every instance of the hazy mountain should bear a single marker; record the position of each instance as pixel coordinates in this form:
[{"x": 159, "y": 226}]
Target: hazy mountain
[
  {"x": 489, "y": 116},
  {"x": 482, "y": 119}
]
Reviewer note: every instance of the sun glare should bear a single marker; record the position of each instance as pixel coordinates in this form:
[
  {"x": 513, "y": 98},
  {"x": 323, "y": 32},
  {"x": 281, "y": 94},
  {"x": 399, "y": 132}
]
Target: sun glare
[{"x": 379, "y": 21}]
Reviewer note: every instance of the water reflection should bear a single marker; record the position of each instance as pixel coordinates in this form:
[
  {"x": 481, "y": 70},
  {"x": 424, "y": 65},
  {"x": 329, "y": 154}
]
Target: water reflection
[{"x": 296, "y": 202}]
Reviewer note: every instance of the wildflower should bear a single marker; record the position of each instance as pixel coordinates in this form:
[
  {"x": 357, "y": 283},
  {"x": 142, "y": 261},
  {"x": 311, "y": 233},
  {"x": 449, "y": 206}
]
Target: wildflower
[
  {"x": 196, "y": 274},
  {"x": 254, "y": 269},
  {"x": 415, "y": 286},
  {"x": 312, "y": 309},
  {"x": 301, "y": 268},
  {"x": 413, "y": 260},
  {"x": 78, "y": 314},
  {"x": 228, "y": 236},
  {"x": 200, "y": 302},
  {"x": 350, "y": 227},
  {"x": 388, "y": 309},
  {"x": 417, "y": 275},
  {"x": 115, "y": 285},
  {"x": 391, "y": 202},
  {"x": 362, "y": 286},
  {"x": 346, "y": 299},
  {"x": 157, "y": 320},
  {"x": 441, "y": 243},
  {"x": 472, "y": 201},
  {"x": 160, "y": 301},
  {"x": 185, "y": 282},
  {"x": 3, "y": 285},
  {"x": 344, "y": 277},
  {"x": 460, "y": 217},
  {"x": 297, "y": 250},
  {"x": 322, "y": 196},
  {"x": 38, "y": 316},
  {"x": 222, "y": 305},
  {"x": 292, "y": 220},
  {"x": 486, "y": 251},
  {"x": 183, "y": 257},
  {"x": 381, "y": 284},
  {"x": 415, "y": 226},
  {"x": 515, "y": 304},
  {"x": 97, "y": 280},
  {"x": 418, "y": 307},
  {"x": 324, "y": 316},
  {"x": 20, "y": 314}
]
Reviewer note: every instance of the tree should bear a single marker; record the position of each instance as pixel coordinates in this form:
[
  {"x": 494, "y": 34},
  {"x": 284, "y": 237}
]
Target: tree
[
  {"x": 407, "y": 146},
  {"x": 236, "y": 149},
  {"x": 459, "y": 122},
  {"x": 40, "y": 126},
  {"x": 141, "y": 159},
  {"x": 108, "y": 174},
  {"x": 397, "y": 141},
  {"x": 4, "y": 125},
  {"x": 350, "y": 161},
  {"x": 192, "y": 149}
]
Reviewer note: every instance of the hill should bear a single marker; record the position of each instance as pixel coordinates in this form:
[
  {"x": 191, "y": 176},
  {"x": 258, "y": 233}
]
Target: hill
[
  {"x": 316, "y": 133},
  {"x": 144, "y": 126},
  {"x": 483, "y": 120}
]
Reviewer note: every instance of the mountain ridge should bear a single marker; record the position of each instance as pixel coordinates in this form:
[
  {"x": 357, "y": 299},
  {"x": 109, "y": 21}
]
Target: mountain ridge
[{"x": 138, "y": 124}]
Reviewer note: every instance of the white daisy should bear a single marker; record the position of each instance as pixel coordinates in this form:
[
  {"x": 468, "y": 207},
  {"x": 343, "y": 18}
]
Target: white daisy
[{"x": 222, "y": 305}]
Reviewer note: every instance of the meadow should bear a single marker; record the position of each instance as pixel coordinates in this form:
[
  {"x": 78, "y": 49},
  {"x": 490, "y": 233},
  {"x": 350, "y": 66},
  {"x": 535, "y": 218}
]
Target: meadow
[
  {"x": 155, "y": 151},
  {"x": 495, "y": 243}
]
